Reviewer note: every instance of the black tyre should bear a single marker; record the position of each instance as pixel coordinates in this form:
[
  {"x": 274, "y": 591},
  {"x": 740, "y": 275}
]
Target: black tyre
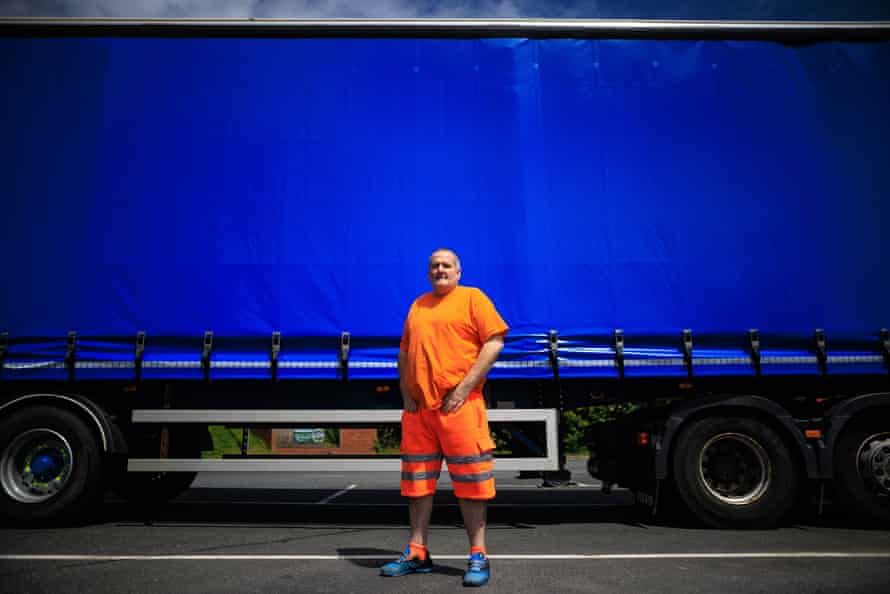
[
  {"x": 50, "y": 466},
  {"x": 735, "y": 473},
  {"x": 862, "y": 469}
]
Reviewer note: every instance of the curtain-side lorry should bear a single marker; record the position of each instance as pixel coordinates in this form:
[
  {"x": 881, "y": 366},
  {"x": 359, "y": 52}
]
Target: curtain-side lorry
[{"x": 223, "y": 223}]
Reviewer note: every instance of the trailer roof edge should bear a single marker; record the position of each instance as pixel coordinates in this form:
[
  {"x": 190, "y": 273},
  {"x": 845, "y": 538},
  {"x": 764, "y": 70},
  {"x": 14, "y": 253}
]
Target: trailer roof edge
[{"x": 786, "y": 31}]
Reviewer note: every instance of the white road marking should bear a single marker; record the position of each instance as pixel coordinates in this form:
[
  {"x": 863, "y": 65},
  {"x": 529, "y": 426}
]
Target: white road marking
[
  {"x": 508, "y": 557},
  {"x": 405, "y": 504},
  {"x": 333, "y": 496},
  {"x": 536, "y": 486}
]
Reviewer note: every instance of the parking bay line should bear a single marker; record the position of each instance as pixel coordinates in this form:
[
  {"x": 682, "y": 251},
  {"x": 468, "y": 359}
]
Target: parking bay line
[{"x": 503, "y": 557}]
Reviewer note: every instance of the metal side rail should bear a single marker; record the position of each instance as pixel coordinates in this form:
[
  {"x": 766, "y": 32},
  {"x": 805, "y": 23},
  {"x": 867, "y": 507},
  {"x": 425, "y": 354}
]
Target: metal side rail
[{"x": 282, "y": 418}]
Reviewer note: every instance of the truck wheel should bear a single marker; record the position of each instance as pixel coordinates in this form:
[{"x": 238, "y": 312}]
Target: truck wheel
[
  {"x": 735, "y": 473},
  {"x": 50, "y": 466},
  {"x": 862, "y": 469}
]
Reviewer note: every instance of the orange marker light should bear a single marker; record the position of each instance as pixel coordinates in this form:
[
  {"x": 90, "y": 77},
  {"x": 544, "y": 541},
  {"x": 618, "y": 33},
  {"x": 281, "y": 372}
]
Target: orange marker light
[{"x": 813, "y": 433}]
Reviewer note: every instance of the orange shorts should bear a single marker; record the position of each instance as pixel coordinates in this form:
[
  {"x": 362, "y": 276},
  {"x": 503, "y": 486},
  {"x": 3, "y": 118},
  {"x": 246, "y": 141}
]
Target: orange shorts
[{"x": 463, "y": 437}]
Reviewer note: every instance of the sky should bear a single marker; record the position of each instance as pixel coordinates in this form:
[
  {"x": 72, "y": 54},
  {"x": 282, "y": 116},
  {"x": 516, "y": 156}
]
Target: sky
[{"x": 573, "y": 9}]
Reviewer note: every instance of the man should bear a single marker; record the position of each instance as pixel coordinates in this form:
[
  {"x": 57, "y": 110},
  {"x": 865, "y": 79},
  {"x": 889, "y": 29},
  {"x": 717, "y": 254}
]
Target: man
[{"x": 452, "y": 337}]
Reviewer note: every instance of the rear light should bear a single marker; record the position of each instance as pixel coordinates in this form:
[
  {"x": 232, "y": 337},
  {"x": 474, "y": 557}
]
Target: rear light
[
  {"x": 641, "y": 438},
  {"x": 813, "y": 433}
]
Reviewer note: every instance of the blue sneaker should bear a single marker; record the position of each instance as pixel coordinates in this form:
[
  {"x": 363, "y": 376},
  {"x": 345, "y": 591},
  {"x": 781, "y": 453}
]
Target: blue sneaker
[
  {"x": 403, "y": 565},
  {"x": 478, "y": 570}
]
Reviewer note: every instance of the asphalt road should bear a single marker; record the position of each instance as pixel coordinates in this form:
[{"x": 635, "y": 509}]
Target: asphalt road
[{"x": 329, "y": 532}]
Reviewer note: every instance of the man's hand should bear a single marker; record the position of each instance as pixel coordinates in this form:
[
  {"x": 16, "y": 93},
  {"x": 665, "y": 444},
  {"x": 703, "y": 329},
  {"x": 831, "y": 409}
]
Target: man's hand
[
  {"x": 488, "y": 354},
  {"x": 407, "y": 401},
  {"x": 455, "y": 399}
]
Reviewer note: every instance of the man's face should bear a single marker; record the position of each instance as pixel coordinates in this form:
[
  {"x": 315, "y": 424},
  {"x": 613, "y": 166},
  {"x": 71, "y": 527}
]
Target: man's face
[{"x": 444, "y": 273}]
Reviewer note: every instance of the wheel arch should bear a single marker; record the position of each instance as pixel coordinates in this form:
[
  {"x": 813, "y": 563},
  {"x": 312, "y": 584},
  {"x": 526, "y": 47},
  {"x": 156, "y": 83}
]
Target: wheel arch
[
  {"x": 110, "y": 436},
  {"x": 756, "y": 407},
  {"x": 847, "y": 414}
]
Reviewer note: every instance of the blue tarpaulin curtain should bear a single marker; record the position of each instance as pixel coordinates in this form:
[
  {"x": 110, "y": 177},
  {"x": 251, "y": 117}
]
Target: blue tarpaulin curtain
[{"x": 248, "y": 185}]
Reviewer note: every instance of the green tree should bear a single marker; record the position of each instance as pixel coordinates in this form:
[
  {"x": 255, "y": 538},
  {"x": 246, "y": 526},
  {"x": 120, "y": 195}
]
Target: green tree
[
  {"x": 388, "y": 439},
  {"x": 577, "y": 422}
]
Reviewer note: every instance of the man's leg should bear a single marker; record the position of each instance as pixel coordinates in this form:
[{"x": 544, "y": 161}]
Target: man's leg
[
  {"x": 420, "y": 509},
  {"x": 421, "y": 464},
  {"x": 473, "y": 512},
  {"x": 468, "y": 449},
  {"x": 479, "y": 568},
  {"x": 415, "y": 558}
]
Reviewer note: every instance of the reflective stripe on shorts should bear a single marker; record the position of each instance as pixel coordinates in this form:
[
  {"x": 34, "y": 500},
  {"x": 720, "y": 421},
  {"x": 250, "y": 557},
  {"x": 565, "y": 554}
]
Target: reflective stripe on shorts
[
  {"x": 485, "y": 457},
  {"x": 421, "y": 457},
  {"x": 470, "y": 478},
  {"x": 420, "y": 476}
]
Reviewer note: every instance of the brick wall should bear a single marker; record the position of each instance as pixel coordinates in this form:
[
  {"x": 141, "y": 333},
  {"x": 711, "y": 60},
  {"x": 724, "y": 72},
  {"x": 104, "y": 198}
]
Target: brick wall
[{"x": 352, "y": 442}]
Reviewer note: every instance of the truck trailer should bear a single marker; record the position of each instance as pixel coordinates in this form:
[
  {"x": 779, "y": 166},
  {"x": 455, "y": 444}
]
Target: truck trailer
[{"x": 223, "y": 223}]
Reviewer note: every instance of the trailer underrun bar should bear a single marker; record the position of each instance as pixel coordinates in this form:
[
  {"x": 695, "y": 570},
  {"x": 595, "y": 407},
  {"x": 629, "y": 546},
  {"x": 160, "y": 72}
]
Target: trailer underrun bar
[{"x": 309, "y": 417}]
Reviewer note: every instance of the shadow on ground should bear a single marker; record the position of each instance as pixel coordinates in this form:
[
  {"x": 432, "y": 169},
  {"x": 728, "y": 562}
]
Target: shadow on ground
[
  {"x": 374, "y": 558},
  {"x": 518, "y": 508},
  {"x": 513, "y": 509}
]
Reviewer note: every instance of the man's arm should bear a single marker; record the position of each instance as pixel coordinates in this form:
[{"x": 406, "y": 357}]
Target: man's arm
[
  {"x": 407, "y": 401},
  {"x": 487, "y": 356}
]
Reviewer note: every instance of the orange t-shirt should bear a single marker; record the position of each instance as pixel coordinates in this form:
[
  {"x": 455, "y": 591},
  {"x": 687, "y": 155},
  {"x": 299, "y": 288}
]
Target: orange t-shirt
[{"x": 442, "y": 339}]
